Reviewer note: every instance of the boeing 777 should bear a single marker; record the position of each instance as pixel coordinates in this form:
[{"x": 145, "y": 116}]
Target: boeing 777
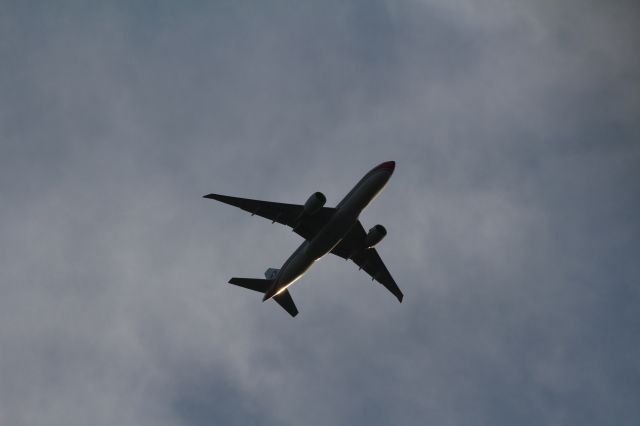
[{"x": 325, "y": 230}]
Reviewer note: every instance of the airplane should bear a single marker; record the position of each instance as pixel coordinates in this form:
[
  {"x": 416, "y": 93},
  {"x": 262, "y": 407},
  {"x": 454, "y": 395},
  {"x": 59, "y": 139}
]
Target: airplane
[{"x": 335, "y": 230}]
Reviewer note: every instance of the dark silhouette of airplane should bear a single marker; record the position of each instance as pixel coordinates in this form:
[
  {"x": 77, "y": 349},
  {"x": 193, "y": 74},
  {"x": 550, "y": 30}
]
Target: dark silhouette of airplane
[{"x": 334, "y": 230}]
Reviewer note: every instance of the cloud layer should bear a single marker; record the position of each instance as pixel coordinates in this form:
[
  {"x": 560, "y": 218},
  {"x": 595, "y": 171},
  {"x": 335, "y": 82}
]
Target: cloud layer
[{"x": 512, "y": 218}]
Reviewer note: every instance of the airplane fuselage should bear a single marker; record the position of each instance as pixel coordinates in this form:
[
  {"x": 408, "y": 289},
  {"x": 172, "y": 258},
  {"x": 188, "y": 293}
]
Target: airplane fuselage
[{"x": 345, "y": 217}]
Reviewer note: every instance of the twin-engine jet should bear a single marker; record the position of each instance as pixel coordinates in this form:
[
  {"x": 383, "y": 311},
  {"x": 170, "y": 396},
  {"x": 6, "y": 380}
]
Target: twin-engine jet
[{"x": 325, "y": 230}]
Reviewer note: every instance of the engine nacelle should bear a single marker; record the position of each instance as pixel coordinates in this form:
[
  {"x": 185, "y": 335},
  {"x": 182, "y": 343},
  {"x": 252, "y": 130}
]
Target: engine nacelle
[
  {"x": 374, "y": 236},
  {"x": 314, "y": 203}
]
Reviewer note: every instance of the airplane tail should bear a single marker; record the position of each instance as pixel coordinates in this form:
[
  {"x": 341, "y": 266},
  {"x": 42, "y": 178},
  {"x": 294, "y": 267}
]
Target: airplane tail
[
  {"x": 263, "y": 285},
  {"x": 255, "y": 284},
  {"x": 271, "y": 273}
]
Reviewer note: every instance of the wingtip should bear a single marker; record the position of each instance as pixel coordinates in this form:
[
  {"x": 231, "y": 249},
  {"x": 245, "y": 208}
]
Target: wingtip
[{"x": 217, "y": 197}]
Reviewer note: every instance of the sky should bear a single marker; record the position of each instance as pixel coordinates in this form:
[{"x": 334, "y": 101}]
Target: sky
[{"x": 512, "y": 215}]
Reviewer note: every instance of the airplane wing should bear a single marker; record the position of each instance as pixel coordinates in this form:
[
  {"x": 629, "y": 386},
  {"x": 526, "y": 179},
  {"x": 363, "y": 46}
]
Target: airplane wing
[
  {"x": 286, "y": 214},
  {"x": 367, "y": 259}
]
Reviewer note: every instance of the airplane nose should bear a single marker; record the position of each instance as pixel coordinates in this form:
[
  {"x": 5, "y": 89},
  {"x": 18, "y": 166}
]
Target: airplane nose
[{"x": 387, "y": 165}]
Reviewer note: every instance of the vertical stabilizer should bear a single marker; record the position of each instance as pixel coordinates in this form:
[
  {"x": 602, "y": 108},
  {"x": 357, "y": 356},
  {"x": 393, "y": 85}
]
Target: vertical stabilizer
[
  {"x": 262, "y": 286},
  {"x": 271, "y": 273}
]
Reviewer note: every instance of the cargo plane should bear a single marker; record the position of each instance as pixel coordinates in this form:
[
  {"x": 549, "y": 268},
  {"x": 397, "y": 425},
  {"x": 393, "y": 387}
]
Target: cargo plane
[{"x": 335, "y": 230}]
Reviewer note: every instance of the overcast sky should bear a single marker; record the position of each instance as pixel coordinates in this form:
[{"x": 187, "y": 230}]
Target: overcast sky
[{"x": 512, "y": 215}]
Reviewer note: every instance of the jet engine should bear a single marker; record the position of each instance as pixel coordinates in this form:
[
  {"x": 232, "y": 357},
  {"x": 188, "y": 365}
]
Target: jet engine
[
  {"x": 314, "y": 203},
  {"x": 374, "y": 236}
]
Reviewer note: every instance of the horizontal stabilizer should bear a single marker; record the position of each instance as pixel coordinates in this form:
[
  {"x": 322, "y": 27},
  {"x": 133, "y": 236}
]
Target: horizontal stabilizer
[
  {"x": 284, "y": 299},
  {"x": 255, "y": 284}
]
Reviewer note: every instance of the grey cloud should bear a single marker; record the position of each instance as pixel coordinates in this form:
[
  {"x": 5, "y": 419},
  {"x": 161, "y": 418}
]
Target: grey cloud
[{"x": 512, "y": 219}]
